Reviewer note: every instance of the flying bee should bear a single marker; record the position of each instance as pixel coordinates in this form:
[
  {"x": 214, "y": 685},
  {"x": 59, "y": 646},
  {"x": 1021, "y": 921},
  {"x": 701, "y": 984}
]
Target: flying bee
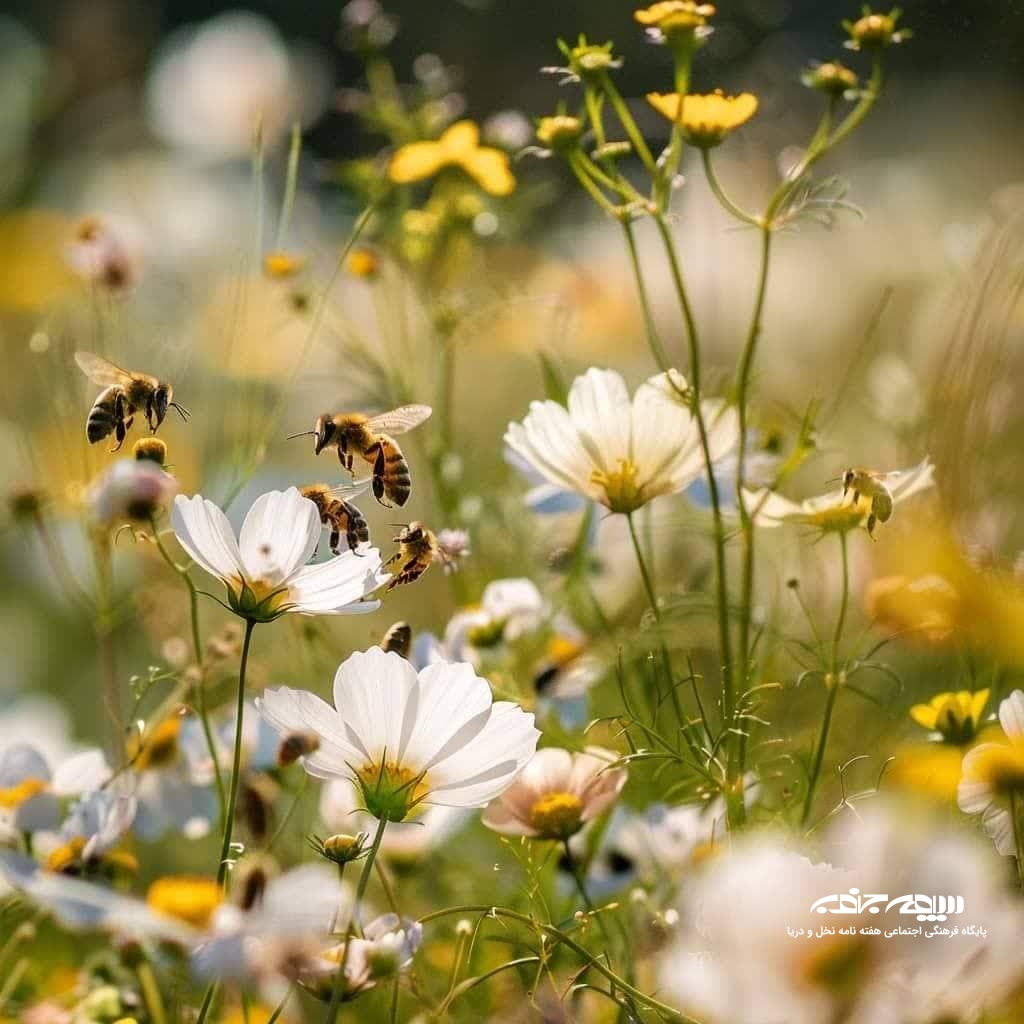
[
  {"x": 337, "y": 512},
  {"x": 370, "y": 438},
  {"x": 417, "y": 551},
  {"x": 868, "y": 484},
  {"x": 124, "y": 394},
  {"x": 296, "y": 745},
  {"x": 398, "y": 638}
]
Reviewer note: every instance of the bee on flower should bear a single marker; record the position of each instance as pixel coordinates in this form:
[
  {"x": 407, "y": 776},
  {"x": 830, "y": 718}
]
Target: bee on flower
[{"x": 265, "y": 568}]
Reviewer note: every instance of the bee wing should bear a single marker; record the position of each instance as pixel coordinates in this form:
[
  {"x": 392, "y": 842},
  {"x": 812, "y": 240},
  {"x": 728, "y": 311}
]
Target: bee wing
[
  {"x": 101, "y": 371},
  {"x": 399, "y": 420},
  {"x": 348, "y": 491}
]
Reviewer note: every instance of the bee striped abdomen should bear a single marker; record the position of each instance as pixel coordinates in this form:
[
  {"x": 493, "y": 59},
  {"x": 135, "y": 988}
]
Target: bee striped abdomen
[
  {"x": 104, "y": 414},
  {"x": 397, "y": 479}
]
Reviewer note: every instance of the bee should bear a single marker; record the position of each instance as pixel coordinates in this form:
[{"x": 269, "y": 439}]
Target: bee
[
  {"x": 296, "y": 745},
  {"x": 868, "y": 484},
  {"x": 417, "y": 550},
  {"x": 398, "y": 638},
  {"x": 338, "y": 512},
  {"x": 124, "y": 393},
  {"x": 370, "y": 438}
]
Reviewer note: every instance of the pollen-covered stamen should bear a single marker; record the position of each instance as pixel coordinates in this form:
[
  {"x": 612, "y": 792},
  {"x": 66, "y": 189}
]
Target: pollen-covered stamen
[
  {"x": 1001, "y": 767},
  {"x": 620, "y": 486},
  {"x": 557, "y": 815},
  {"x": 391, "y": 790}
]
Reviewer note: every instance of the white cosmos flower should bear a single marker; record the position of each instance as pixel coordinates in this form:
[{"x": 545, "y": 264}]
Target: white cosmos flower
[
  {"x": 992, "y": 777},
  {"x": 265, "y": 570},
  {"x": 617, "y": 451},
  {"x": 832, "y": 511},
  {"x": 405, "y": 737}
]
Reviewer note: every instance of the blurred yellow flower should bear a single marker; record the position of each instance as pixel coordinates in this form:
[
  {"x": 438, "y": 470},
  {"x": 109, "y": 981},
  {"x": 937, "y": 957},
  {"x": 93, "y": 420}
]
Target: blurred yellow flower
[
  {"x": 363, "y": 262},
  {"x": 185, "y": 897},
  {"x": 923, "y": 609},
  {"x": 672, "y": 16},
  {"x": 705, "y": 120},
  {"x": 560, "y": 131},
  {"x": 459, "y": 147},
  {"x": 282, "y": 264},
  {"x": 34, "y": 271},
  {"x": 954, "y": 715}
]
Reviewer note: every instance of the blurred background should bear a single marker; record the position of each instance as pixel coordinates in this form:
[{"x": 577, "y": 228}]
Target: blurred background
[{"x": 903, "y": 320}]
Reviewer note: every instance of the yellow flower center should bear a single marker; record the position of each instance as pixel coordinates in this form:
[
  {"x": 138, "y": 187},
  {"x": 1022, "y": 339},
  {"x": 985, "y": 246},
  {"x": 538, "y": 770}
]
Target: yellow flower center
[
  {"x": 65, "y": 856},
  {"x": 14, "y": 796},
  {"x": 185, "y": 897},
  {"x": 281, "y": 264},
  {"x": 157, "y": 750},
  {"x": 622, "y": 493},
  {"x": 1002, "y": 767},
  {"x": 260, "y": 600},
  {"x": 557, "y": 815},
  {"x": 838, "y": 966},
  {"x": 391, "y": 790}
]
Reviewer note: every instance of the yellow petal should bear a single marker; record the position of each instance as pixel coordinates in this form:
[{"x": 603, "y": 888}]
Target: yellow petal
[
  {"x": 667, "y": 104},
  {"x": 489, "y": 168},
  {"x": 461, "y": 139},
  {"x": 416, "y": 161},
  {"x": 978, "y": 702},
  {"x": 925, "y": 715}
]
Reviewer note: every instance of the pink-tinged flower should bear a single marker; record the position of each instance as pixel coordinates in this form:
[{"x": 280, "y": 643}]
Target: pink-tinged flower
[{"x": 557, "y": 794}]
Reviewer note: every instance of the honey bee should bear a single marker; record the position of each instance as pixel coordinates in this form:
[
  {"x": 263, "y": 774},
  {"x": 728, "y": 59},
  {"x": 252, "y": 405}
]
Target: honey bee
[
  {"x": 398, "y": 638},
  {"x": 417, "y": 550},
  {"x": 337, "y": 511},
  {"x": 296, "y": 745},
  {"x": 868, "y": 484},
  {"x": 370, "y": 438},
  {"x": 124, "y": 393}
]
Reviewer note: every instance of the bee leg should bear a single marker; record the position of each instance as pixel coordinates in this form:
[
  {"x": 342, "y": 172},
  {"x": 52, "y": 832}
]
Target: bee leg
[
  {"x": 119, "y": 432},
  {"x": 352, "y": 539},
  {"x": 394, "y": 558},
  {"x": 335, "y": 540},
  {"x": 379, "y": 466},
  {"x": 149, "y": 414},
  {"x": 872, "y": 519}
]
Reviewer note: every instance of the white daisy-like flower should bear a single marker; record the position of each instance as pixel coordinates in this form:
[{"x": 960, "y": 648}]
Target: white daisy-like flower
[
  {"x": 557, "y": 794},
  {"x": 508, "y": 610},
  {"x": 406, "y": 738},
  {"x": 992, "y": 777},
  {"x": 834, "y": 511},
  {"x": 265, "y": 570},
  {"x": 621, "y": 452}
]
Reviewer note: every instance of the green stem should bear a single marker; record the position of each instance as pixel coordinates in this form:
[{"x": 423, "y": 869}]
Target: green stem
[
  {"x": 197, "y": 653},
  {"x": 653, "y": 340},
  {"x": 364, "y": 878},
  {"x": 1018, "y": 839},
  {"x": 623, "y": 114},
  {"x": 151, "y": 993},
  {"x": 833, "y": 682},
  {"x": 666, "y": 1011},
  {"x": 290, "y": 182},
  {"x": 279, "y": 1009},
  {"x": 236, "y": 764},
  {"x": 719, "y": 193},
  {"x": 207, "y": 1003}
]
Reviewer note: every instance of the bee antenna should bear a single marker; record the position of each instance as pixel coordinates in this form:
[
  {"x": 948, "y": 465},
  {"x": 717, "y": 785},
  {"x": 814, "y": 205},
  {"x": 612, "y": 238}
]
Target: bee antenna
[
  {"x": 302, "y": 433},
  {"x": 182, "y": 411},
  {"x": 833, "y": 479}
]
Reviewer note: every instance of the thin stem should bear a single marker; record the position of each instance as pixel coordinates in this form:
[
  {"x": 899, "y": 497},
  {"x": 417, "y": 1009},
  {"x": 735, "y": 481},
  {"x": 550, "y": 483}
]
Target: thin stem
[
  {"x": 197, "y": 653},
  {"x": 719, "y": 193},
  {"x": 104, "y": 627},
  {"x": 279, "y": 1009},
  {"x": 151, "y": 993},
  {"x": 1018, "y": 838},
  {"x": 207, "y": 1003},
  {"x": 645, "y": 574},
  {"x": 623, "y": 114},
  {"x": 653, "y": 340},
  {"x": 290, "y": 182},
  {"x": 833, "y": 682},
  {"x": 667, "y": 1012},
  {"x": 236, "y": 764}
]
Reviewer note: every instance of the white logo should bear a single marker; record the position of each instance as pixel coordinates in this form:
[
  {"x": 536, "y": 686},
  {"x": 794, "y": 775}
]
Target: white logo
[{"x": 926, "y": 908}]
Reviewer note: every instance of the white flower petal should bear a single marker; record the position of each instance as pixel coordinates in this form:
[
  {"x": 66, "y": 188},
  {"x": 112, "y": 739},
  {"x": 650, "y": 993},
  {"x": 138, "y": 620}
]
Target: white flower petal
[
  {"x": 600, "y": 410},
  {"x": 1011, "y": 715},
  {"x": 279, "y": 535},
  {"x": 289, "y": 711},
  {"x": 339, "y": 585},
  {"x": 376, "y": 692},
  {"x": 204, "y": 532},
  {"x": 548, "y": 441},
  {"x": 81, "y": 773}
]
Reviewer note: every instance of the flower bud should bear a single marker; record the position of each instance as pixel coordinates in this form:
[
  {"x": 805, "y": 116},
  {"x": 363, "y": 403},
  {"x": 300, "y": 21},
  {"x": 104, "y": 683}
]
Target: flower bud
[
  {"x": 559, "y": 132},
  {"x": 130, "y": 491},
  {"x": 831, "y": 78}
]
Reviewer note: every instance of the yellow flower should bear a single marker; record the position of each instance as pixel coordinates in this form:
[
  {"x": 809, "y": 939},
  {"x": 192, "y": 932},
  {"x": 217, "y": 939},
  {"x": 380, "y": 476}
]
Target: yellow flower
[
  {"x": 458, "y": 147},
  {"x": 705, "y": 120},
  {"x": 363, "y": 262},
  {"x": 675, "y": 20},
  {"x": 954, "y": 715},
  {"x": 923, "y": 609},
  {"x": 185, "y": 897},
  {"x": 560, "y": 131},
  {"x": 280, "y": 264}
]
